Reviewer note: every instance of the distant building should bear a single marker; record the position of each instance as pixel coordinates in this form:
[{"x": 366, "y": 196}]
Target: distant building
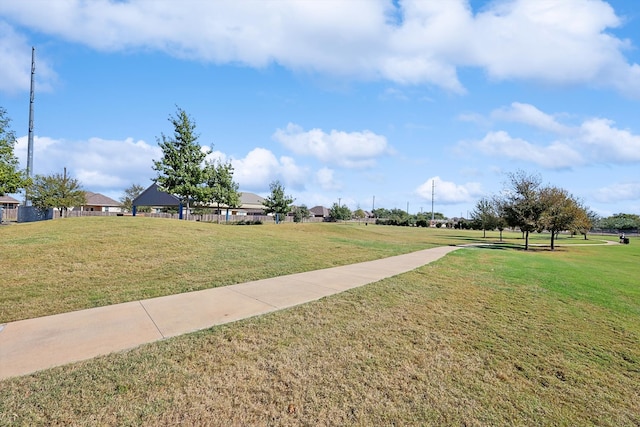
[
  {"x": 319, "y": 212},
  {"x": 8, "y": 202},
  {"x": 250, "y": 203},
  {"x": 96, "y": 202}
]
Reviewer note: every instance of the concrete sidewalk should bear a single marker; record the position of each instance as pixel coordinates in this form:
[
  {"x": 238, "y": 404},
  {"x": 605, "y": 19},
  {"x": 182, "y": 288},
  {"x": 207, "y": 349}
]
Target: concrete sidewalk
[{"x": 31, "y": 345}]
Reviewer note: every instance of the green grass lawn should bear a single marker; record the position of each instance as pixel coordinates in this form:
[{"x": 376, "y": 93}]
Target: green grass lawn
[
  {"x": 482, "y": 337},
  {"x": 69, "y": 264}
]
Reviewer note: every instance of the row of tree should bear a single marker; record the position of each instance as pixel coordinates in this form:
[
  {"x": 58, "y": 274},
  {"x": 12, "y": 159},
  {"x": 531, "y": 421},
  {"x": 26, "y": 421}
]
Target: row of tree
[{"x": 528, "y": 206}]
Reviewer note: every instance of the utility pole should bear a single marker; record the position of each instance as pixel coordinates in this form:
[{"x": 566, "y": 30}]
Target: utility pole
[
  {"x": 30, "y": 137},
  {"x": 433, "y": 190},
  {"x": 373, "y": 205}
]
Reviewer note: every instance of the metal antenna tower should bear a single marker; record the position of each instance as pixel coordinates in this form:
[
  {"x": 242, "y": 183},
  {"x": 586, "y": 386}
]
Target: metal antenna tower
[{"x": 30, "y": 138}]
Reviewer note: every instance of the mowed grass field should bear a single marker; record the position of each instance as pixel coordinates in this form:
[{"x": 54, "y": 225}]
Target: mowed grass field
[
  {"x": 64, "y": 265},
  {"x": 482, "y": 337}
]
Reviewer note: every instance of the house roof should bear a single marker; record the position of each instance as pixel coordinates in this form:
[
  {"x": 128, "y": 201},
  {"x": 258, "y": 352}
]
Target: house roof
[
  {"x": 97, "y": 199},
  {"x": 251, "y": 200},
  {"x": 8, "y": 199},
  {"x": 319, "y": 211},
  {"x": 152, "y": 196}
]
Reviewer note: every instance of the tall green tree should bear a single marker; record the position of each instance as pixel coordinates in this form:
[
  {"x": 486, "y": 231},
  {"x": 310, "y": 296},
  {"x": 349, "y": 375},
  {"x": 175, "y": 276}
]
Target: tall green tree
[
  {"x": 277, "y": 203},
  {"x": 220, "y": 188},
  {"x": 12, "y": 178},
  {"x": 56, "y": 191},
  {"x": 521, "y": 204},
  {"x": 129, "y": 196},
  {"x": 181, "y": 168}
]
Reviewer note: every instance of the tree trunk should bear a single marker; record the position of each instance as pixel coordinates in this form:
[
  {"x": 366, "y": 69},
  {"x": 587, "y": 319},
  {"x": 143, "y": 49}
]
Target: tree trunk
[
  {"x": 526, "y": 240},
  {"x": 553, "y": 234},
  {"x": 484, "y": 233}
]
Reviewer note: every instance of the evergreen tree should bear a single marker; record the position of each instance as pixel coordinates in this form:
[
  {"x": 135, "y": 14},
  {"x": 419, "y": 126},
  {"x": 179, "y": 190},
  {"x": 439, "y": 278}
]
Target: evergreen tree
[
  {"x": 277, "y": 202},
  {"x": 220, "y": 187},
  {"x": 180, "y": 170}
]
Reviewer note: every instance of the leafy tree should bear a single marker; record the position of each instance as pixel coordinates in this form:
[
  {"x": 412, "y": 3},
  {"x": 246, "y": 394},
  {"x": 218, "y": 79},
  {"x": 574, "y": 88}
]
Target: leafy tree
[
  {"x": 561, "y": 211},
  {"x": 521, "y": 204},
  {"x": 180, "y": 170},
  {"x": 584, "y": 222},
  {"x": 300, "y": 213},
  {"x": 381, "y": 213},
  {"x": 220, "y": 188},
  {"x": 486, "y": 215},
  {"x": 56, "y": 191},
  {"x": 277, "y": 202},
  {"x": 11, "y": 178},
  {"x": 339, "y": 213},
  {"x": 621, "y": 222},
  {"x": 359, "y": 214},
  {"x": 129, "y": 196}
]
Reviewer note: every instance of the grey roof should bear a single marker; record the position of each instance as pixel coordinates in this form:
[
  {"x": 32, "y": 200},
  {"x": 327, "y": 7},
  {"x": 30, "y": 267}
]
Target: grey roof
[
  {"x": 152, "y": 196},
  {"x": 319, "y": 211},
  {"x": 8, "y": 199},
  {"x": 97, "y": 199},
  {"x": 250, "y": 199}
]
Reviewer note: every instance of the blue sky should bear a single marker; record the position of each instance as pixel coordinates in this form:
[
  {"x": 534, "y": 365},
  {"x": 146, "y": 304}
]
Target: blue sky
[{"x": 356, "y": 101}]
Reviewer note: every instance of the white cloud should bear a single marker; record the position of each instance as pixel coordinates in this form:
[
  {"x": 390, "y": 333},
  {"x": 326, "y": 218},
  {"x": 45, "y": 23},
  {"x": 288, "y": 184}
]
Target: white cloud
[
  {"x": 15, "y": 72},
  {"x": 349, "y": 150},
  {"x": 449, "y": 193},
  {"x": 554, "y": 156},
  {"x": 594, "y": 141},
  {"x": 558, "y": 42},
  {"x": 618, "y": 192},
  {"x": 325, "y": 178},
  {"x": 260, "y": 167},
  {"x": 99, "y": 164},
  {"x": 530, "y": 115},
  {"x": 609, "y": 144}
]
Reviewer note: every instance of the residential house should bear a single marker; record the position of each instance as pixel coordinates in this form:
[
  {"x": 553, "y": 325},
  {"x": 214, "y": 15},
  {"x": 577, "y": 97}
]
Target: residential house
[
  {"x": 8, "y": 202},
  {"x": 96, "y": 202},
  {"x": 319, "y": 212}
]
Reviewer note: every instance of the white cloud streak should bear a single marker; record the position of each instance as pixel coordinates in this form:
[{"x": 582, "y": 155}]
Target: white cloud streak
[
  {"x": 594, "y": 141},
  {"x": 419, "y": 42},
  {"x": 618, "y": 192}
]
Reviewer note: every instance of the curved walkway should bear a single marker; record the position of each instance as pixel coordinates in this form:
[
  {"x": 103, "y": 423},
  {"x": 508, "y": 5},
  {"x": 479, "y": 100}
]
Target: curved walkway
[{"x": 31, "y": 345}]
